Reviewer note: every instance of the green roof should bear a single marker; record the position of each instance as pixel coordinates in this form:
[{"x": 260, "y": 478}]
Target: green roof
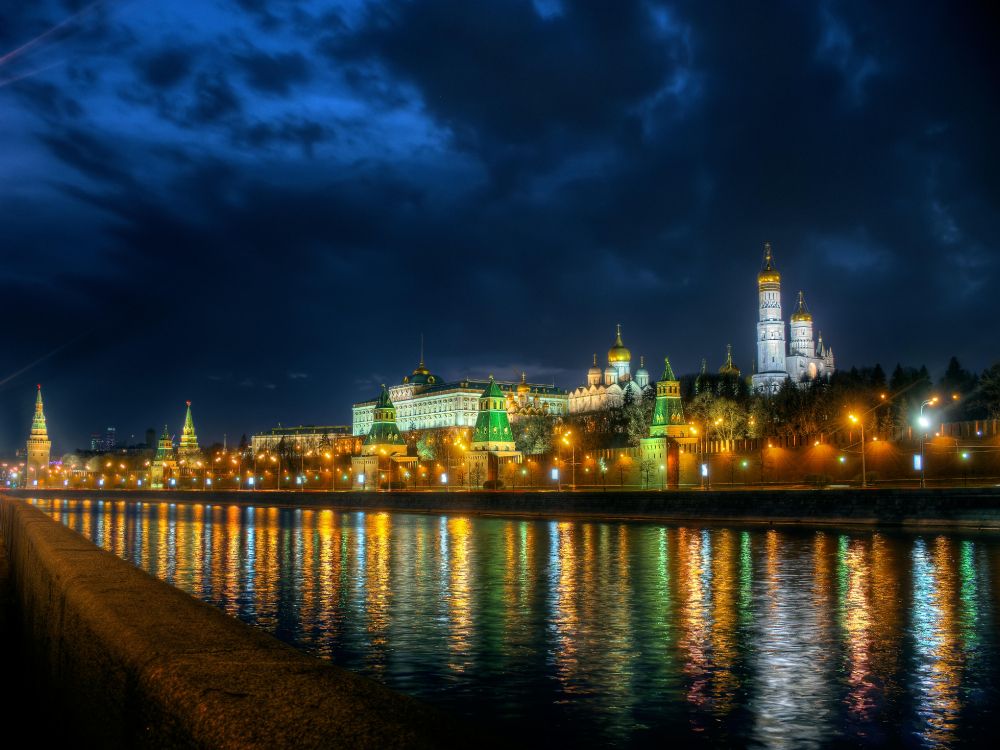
[
  {"x": 384, "y": 433},
  {"x": 384, "y": 402},
  {"x": 668, "y": 371},
  {"x": 492, "y": 390}
]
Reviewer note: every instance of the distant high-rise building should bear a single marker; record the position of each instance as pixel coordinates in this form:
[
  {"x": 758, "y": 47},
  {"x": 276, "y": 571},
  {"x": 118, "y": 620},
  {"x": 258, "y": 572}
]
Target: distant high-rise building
[
  {"x": 39, "y": 446},
  {"x": 111, "y": 439}
]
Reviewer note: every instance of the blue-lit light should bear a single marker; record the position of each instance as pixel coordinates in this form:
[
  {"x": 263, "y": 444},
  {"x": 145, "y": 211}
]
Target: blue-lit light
[
  {"x": 917, "y": 462},
  {"x": 444, "y": 478}
]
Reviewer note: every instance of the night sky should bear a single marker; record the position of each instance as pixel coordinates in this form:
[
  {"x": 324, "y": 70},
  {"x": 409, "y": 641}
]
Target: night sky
[{"x": 259, "y": 205}]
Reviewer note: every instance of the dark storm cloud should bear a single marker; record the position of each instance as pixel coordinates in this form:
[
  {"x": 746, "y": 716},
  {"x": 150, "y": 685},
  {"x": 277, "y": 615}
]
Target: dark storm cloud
[
  {"x": 166, "y": 68},
  {"x": 304, "y": 187},
  {"x": 214, "y": 97},
  {"x": 274, "y": 74}
]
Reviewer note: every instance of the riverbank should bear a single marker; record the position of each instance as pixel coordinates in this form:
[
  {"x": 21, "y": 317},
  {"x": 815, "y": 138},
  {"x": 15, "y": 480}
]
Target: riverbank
[
  {"x": 977, "y": 507},
  {"x": 127, "y": 660}
]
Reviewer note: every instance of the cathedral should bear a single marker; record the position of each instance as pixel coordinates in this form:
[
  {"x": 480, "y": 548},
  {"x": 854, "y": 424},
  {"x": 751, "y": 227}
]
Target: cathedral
[
  {"x": 803, "y": 359},
  {"x": 607, "y": 390}
]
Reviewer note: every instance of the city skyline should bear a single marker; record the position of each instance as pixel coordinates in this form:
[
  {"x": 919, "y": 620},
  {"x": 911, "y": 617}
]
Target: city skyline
[{"x": 259, "y": 206}]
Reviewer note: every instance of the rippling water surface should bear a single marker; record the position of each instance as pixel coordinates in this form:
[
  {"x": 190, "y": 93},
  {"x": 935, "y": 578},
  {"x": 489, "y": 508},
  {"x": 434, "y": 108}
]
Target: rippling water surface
[{"x": 599, "y": 634}]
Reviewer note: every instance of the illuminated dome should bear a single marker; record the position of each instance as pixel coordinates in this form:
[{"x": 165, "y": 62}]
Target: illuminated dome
[
  {"x": 421, "y": 376},
  {"x": 523, "y": 386},
  {"x": 619, "y": 352},
  {"x": 802, "y": 313},
  {"x": 768, "y": 274}
]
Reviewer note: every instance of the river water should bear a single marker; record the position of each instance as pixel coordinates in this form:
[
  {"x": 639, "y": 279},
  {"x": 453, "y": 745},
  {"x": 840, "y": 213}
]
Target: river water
[{"x": 597, "y": 634}]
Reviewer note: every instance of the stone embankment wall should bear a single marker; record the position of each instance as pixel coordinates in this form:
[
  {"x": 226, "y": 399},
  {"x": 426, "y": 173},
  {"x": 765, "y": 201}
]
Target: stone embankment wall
[
  {"x": 129, "y": 661},
  {"x": 971, "y": 507}
]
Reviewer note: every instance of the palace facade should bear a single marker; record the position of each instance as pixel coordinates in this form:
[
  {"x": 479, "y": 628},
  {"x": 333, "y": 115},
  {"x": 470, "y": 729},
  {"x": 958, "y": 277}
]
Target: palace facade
[{"x": 425, "y": 401}]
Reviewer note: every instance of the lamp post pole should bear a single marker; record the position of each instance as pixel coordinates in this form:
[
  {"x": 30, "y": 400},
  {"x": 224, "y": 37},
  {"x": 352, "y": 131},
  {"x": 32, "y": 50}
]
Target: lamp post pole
[{"x": 924, "y": 424}]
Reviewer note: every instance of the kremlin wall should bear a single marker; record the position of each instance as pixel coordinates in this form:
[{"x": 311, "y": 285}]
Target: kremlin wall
[{"x": 619, "y": 429}]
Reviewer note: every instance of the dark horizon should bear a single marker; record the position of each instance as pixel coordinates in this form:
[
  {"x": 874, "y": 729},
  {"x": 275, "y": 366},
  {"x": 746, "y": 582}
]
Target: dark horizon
[{"x": 261, "y": 206}]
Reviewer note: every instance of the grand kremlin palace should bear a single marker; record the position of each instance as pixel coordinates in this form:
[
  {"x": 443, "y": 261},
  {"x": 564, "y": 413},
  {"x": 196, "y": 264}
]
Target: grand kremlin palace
[{"x": 424, "y": 401}]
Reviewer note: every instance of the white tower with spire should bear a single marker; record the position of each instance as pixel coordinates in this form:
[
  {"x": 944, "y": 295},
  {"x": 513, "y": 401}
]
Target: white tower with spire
[{"x": 771, "y": 372}]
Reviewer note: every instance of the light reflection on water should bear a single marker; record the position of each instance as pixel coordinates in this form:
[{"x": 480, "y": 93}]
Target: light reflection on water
[{"x": 600, "y": 634}]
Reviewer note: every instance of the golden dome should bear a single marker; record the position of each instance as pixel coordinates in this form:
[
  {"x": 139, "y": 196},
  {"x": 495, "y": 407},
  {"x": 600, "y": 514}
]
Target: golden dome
[
  {"x": 523, "y": 386},
  {"x": 768, "y": 274},
  {"x": 619, "y": 352},
  {"x": 802, "y": 313}
]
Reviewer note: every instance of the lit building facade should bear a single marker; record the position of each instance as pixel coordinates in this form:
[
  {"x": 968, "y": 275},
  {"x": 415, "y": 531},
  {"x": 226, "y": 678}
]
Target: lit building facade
[
  {"x": 425, "y": 401},
  {"x": 803, "y": 360},
  {"x": 39, "y": 447},
  {"x": 668, "y": 431},
  {"x": 383, "y": 451},
  {"x": 337, "y": 439},
  {"x": 492, "y": 439},
  {"x": 188, "y": 450},
  {"x": 164, "y": 462},
  {"x": 607, "y": 389}
]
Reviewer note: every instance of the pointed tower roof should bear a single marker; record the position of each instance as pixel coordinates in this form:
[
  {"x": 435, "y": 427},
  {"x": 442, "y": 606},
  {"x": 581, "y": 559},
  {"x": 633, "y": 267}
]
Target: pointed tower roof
[
  {"x": 668, "y": 371},
  {"x": 384, "y": 402},
  {"x": 668, "y": 412},
  {"x": 492, "y": 431},
  {"x": 165, "y": 446},
  {"x": 38, "y": 429},
  {"x": 492, "y": 390},
  {"x": 188, "y": 447},
  {"x": 384, "y": 433},
  {"x": 802, "y": 312}
]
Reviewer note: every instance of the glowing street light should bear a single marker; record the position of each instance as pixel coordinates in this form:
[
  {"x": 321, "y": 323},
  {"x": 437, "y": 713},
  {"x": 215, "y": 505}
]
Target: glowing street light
[
  {"x": 925, "y": 423},
  {"x": 864, "y": 473}
]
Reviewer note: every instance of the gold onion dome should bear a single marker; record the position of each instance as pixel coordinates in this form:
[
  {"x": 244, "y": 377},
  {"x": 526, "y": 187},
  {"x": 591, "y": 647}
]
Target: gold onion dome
[
  {"x": 802, "y": 313},
  {"x": 619, "y": 352},
  {"x": 523, "y": 386},
  {"x": 768, "y": 273}
]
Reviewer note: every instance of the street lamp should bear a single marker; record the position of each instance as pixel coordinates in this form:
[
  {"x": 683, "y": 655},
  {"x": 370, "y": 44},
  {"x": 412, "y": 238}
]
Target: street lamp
[
  {"x": 924, "y": 423},
  {"x": 566, "y": 441},
  {"x": 864, "y": 473}
]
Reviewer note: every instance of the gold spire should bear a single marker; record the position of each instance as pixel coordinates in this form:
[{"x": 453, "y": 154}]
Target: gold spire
[
  {"x": 802, "y": 313},
  {"x": 729, "y": 368}
]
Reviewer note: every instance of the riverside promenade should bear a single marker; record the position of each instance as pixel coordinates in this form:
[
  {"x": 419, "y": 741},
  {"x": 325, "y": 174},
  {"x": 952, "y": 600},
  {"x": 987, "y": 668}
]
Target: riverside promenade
[
  {"x": 120, "y": 659},
  {"x": 960, "y": 507}
]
